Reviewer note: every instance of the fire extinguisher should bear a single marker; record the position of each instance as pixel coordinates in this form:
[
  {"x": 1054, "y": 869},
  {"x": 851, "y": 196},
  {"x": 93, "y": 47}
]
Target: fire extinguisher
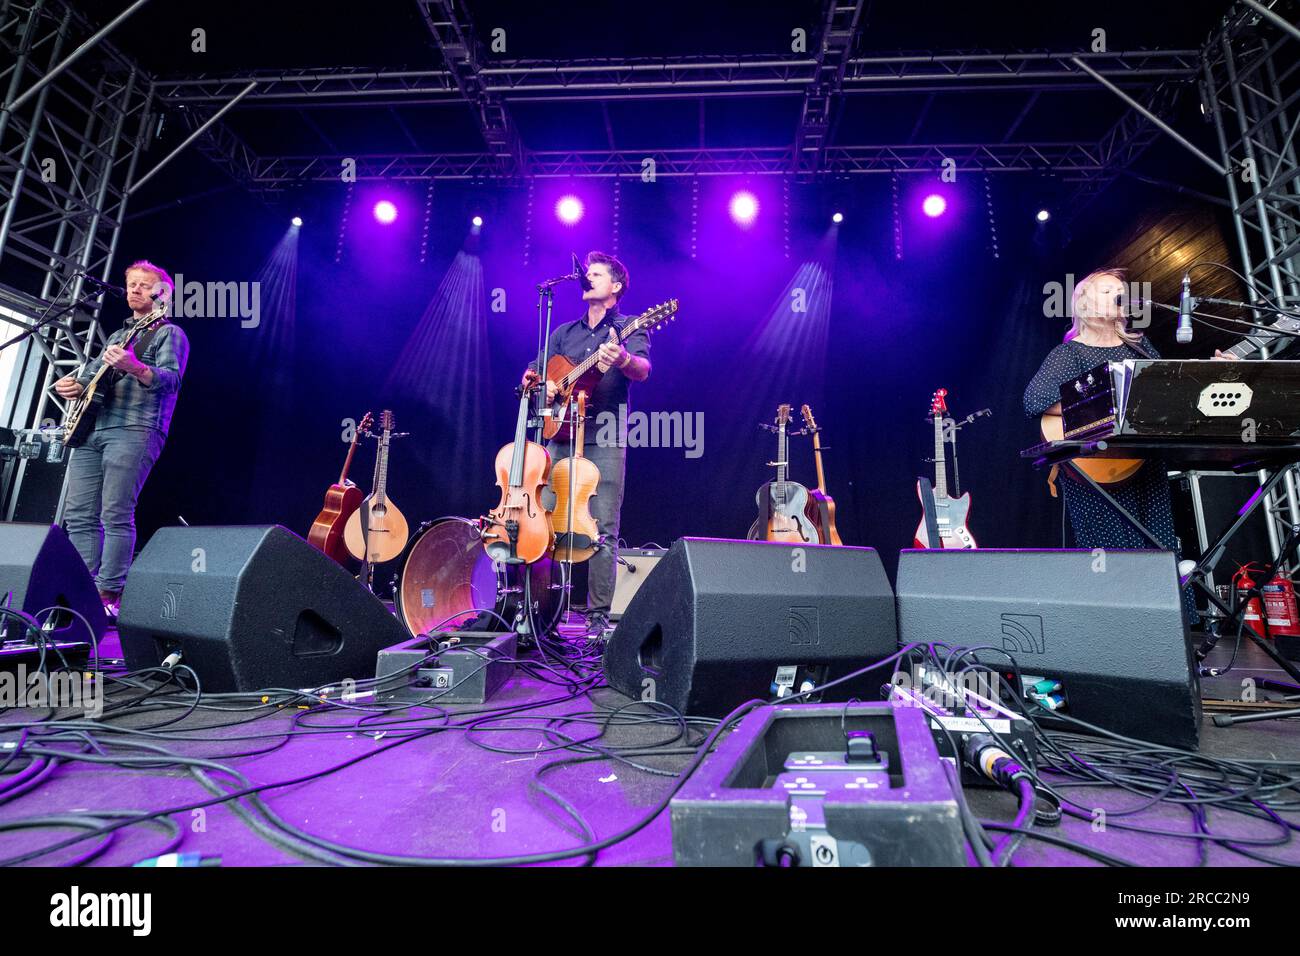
[
  {"x": 1254, "y": 614},
  {"x": 1280, "y": 607}
]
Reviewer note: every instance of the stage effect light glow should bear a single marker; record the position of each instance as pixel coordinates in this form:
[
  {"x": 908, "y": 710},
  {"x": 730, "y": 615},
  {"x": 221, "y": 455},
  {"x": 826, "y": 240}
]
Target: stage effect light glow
[
  {"x": 744, "y": 208},
  {"x": 385, "y": 211},
  {"x": 1043, "y": 215},
  {"x": 838, "y": 217},
  {"x": 934, "y": 205},
  {"x": 569, "y": 209},
  {"x": 297, "y": 221},
  {"x": 477, "y": 221}
]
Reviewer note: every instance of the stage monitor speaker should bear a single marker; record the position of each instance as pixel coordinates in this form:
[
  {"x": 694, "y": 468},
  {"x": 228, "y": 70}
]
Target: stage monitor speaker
[
  {"x": 634, "y": 566},
  {"x": 251, "y": 608},
  {"x": 717, "y": 623},
  {"x": 1108, "y": 625},
  {"x": 39, "y": 568}
]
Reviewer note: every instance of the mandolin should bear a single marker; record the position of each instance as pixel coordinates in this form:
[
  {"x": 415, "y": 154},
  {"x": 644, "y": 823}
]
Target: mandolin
[
  {"x": 569, "y": 376},
  {"x": 821, "y": 506},
  {"x": 518, "y": 530},
  {"x": 85, "y": 409},
  {"x": 341, "y": 499},
  {"x": 949, "y": 513},
  {"x": 786, "y": 501},
  {"x": 575, "y": 529},
  {"x": 386, "y": 532}
]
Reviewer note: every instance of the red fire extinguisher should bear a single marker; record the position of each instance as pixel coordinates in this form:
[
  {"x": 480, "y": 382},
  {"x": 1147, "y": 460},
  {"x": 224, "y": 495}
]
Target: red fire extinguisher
[
  {"x": 1254, "y": 610},
  {"x": 1280, "y": 607}
]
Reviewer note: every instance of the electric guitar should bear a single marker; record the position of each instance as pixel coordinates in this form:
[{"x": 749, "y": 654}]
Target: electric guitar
[
  {"x": 386, "y": 530},
  {"x": 821, "y": 506},
  {"x": 569, "y": 376},
  {"x": 786, "y": 501},
  {"x": 950, "y": 513},
  {"x": 341, "y": 499},
  {"x": 85, "y": 409}
]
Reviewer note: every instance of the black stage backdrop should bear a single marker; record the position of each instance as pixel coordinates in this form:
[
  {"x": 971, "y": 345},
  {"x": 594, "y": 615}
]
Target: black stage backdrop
[{"x": 863, "y": 320}]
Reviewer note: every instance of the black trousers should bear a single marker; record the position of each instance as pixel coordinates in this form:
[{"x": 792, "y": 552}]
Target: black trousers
[{"x": 606, "y": 507}]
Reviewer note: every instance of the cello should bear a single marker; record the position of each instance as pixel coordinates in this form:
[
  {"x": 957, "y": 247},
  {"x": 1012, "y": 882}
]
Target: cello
[
  {"x": 518, "y": 529},
  {"x": 575, "y": 529}
]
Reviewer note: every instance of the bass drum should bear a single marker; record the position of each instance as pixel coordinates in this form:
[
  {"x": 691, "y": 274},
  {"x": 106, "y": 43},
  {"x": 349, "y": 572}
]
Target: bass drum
[{"x": 447, "y": 578}]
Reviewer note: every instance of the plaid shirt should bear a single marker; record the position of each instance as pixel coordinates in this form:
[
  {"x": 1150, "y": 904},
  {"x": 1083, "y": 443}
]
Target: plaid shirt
[{"x": 131, "y": 403}]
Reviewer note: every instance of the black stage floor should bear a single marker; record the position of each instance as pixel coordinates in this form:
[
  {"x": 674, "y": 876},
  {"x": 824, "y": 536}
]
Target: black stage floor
[{"x": 493, "y": 782}]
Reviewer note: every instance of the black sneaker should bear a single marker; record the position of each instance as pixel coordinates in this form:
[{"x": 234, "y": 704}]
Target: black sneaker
[{"x": 597, "y": 625}]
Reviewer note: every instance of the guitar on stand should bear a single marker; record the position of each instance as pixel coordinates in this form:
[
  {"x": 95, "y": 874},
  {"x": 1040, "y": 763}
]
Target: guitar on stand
[
  {"x": 341, "y": 500},
  {"x": 821, "y": 506},
  {"x": 377, "y": 531},
  {"x": 783, "y": 504},
  {"x": 949, "y": 513}
]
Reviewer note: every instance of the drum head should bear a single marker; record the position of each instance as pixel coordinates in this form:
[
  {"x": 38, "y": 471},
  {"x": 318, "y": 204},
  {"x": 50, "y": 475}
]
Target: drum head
[{"x": 446, "y": 575}]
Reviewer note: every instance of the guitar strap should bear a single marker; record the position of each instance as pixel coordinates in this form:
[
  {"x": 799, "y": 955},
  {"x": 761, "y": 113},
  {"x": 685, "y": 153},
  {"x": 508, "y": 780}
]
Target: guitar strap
[{"x": 141, "y": 346}]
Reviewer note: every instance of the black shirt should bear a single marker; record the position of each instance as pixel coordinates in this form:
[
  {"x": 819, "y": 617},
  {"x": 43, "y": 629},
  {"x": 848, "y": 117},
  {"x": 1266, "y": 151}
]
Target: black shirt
[{"x": 577, "y": 340}]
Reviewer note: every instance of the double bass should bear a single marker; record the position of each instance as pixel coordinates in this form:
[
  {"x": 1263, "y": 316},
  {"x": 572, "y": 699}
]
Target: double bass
[
  {"x": 575, "y": 529},
  {"x": 518, "y": 530}
]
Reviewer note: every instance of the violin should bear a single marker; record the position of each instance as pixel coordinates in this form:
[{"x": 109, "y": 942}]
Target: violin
[
  {"x": 518, "y": 529},
  {"x": 575, "y": 529}
]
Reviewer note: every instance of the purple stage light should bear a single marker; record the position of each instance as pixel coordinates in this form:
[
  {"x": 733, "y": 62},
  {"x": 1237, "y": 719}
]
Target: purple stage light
[
  {"x": 297, "y": 221},
  {"x": 477, "y": 221},
  {"x": 385, "y": 211},
  {"x": 744, "y": 208},
  {"x": 569, "y": 209},
  {"x": 838, "y": 217},
  {"x": 934, "y": 205}
]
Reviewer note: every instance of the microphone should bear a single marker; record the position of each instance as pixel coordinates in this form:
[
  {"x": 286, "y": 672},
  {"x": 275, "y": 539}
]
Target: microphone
[
  {"x": 102, "y": 285},
  {"x": 580, "y": 273},
  {"x": 1184, "y": 334}
]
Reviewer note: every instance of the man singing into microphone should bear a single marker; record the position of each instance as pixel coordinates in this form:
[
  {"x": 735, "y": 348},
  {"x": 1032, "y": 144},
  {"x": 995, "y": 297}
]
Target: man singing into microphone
[
  {"x": 619, "y": 364},
  {"x": 107, "y": 472}
]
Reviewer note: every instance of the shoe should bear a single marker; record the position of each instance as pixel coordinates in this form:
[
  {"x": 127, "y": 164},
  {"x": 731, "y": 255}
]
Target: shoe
[
  {"x": 112, "y": 603},
  {"x": 597, "y": 625}
]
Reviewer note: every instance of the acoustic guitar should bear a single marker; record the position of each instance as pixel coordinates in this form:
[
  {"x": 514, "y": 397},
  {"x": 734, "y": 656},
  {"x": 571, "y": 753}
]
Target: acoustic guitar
[
  {"x": 575, "y": 529},
  {"x": 79, "y": 421},
  {"x": 569, "y": 376},
  {"x": 386, "y": 531},
  {"x": 341, "y": 499},
  {"x": 821, "y": 506}
]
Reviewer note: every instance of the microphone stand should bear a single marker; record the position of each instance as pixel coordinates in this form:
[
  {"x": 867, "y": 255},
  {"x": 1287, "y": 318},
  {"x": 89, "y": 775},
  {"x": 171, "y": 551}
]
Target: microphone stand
[
  {"x": 86, "y": 301},
  {"x": 545, "y": 300}
]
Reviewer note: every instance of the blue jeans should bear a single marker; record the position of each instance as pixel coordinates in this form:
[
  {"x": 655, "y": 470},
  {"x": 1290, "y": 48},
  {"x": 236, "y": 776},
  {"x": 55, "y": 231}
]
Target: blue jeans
[{"x": 104, "y": 481}]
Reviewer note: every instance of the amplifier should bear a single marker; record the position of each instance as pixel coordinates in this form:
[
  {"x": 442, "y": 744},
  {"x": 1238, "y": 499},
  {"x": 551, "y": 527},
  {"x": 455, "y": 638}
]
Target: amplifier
[{"x": 633, "y": 567}]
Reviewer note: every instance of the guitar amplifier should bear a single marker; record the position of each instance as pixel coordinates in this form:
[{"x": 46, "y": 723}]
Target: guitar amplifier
[
  {"x": 1189, "y": 400},
  {"x": 634, "y": 565}
]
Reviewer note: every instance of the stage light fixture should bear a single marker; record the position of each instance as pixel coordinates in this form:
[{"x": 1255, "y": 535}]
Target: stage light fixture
[
  {"x": 385, "y": 211},
  {"x": 1043, "y": 215},
  {"x": 569, "y": 209},
  {"x": 297, "y": 221},
  {"x": 744, "y": 208},
  {"x": 477, "y": 222},
  {"x": 838, "y": 217},
  {"x": 934, "y": 205}
]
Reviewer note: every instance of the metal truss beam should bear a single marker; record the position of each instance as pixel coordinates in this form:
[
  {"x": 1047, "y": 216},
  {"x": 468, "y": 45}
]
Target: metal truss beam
[
  {"x": 834, "y": 44},
  {"x": 1249, "y": 85},
  {"x": 465, "y": 56},
  {"x": 1071, "y": 160},
  {"x": 685, "y": 76}
]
